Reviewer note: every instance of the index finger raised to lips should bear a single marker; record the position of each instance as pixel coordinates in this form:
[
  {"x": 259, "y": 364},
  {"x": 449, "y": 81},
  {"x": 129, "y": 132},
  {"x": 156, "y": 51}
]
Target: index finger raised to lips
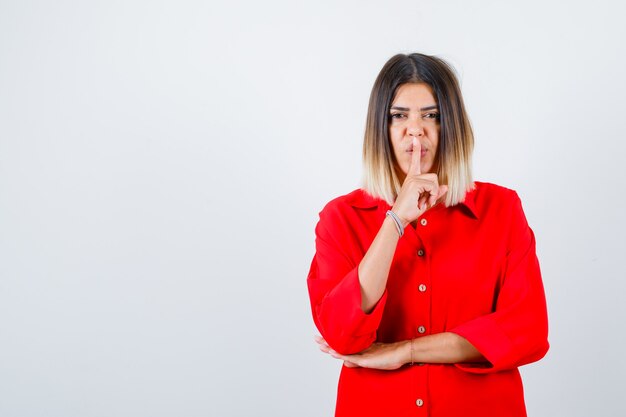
[{"x": 414, "y": 168}]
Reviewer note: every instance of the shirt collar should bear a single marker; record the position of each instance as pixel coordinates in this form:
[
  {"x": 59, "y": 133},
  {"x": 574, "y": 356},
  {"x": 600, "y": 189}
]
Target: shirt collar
[
  {"x": 470, "y": 202},
  {"x": 361, "y": 199}
]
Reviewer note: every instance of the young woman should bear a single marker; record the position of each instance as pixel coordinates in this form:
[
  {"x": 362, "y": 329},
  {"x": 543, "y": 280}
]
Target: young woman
[{"x": 425, "y": 283}]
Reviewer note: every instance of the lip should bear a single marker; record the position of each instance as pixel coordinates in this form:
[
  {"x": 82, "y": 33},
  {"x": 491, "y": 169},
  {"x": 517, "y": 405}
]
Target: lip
[{"x": 422, "y": 153}]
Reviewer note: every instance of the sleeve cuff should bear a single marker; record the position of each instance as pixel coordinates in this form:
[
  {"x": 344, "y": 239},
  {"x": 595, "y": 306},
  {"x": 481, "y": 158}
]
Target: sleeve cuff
[
  {"x": 351, "y": 330},
  {"x": 349, "y": 290},
  {"x": 486, "y": 336}
]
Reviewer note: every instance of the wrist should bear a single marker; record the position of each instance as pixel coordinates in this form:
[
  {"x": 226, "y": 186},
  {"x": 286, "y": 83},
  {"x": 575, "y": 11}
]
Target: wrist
[
  {"x": 398, "y": 221},
  {"x": 403, "y": 221},
  {"x": 393, "y": 224},
  {"x": 407, "y": 353}
]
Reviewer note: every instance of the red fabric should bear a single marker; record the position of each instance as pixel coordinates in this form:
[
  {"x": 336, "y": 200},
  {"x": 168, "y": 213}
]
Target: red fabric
[{"x": 482, "y": 282}]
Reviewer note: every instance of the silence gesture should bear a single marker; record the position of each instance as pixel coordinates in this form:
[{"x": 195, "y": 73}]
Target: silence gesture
[{"x": 419, "y": 191}]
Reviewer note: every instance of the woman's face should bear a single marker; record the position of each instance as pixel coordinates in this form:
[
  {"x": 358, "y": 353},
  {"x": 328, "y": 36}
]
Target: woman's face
[{"x": 414, "y": 113}]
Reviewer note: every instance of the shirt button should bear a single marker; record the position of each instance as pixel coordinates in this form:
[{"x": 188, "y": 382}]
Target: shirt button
[
  {"x": 420, "y": 252},
  {"x": 422, "y": 288},
  {"x": 423, "y": 222},
  {"x": 421, "y": 329},
  {"x": 419, "y": 402}
]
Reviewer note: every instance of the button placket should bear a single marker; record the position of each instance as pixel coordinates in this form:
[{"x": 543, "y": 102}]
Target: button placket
[
  {"x": 421, "y": 252},
  {"x": 422, "y": 319},
  {"x": 423, "y": 266}
]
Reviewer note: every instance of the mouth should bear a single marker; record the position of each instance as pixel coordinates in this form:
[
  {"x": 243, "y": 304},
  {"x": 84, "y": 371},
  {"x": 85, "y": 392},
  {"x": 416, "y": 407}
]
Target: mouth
[{"x": 422, "y": 153}]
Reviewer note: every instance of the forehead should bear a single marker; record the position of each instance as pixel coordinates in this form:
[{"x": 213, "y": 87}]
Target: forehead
[{"x": 414, "y": 94}]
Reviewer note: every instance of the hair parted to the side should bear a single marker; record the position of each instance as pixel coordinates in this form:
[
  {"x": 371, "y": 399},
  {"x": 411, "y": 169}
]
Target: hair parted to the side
[{"x": 456, "y": 140}]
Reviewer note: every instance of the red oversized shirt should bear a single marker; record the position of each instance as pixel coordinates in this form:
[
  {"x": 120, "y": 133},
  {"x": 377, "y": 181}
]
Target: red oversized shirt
[{"x": 470, "y": 269}]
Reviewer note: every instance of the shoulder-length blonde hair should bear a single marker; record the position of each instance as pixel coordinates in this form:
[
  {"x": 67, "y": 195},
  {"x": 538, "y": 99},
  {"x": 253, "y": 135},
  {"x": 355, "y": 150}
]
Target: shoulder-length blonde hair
[{"x": 456, "y": 139}]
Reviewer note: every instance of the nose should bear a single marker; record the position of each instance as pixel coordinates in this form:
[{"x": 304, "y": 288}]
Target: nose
[{"x": 414, "y": 127}]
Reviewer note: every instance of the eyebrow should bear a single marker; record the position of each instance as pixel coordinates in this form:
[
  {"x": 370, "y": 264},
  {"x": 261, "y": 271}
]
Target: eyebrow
[{"x": 433, "y": 107}]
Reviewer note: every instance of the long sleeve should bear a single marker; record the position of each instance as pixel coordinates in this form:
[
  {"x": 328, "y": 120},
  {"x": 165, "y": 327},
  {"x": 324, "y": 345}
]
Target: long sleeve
[
  {"x": 334, "y": 287},
  {"x": 516, "y": 332}
]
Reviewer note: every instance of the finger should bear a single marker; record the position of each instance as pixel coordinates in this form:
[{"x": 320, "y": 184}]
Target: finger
[
  {"x": 324, "y": 348},
  {"x": 337, "y": 355},
  {"x": 320, "y": 339},
  {"x": 421, "y": 202},
  {"x": 437, "y": 194},
  {"x": 349, "y": 364},
  {"x": 353, "y": 359},
  {"x": 414, "y": 168},
  {"x": 434, "y": 195}
]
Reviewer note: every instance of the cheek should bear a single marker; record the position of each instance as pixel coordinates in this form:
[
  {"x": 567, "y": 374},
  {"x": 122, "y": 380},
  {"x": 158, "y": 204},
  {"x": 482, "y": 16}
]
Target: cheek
[
  {"x": 403, "y": 160},
  {"x": 395, "y": 140},
  {"x": 434, "y": 138}
]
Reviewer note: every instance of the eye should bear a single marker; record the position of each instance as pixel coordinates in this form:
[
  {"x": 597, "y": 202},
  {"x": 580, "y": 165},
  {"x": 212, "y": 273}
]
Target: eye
[
  {"x": 431, "y": 115},
  {"x": 397, "y": 116}
]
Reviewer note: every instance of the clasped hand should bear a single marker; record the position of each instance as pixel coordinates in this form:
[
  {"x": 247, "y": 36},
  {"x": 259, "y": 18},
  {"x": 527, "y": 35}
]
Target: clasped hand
[{"x": 384, "y": 356}]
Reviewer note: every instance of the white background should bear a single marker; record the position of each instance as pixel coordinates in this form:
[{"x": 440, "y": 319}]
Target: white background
[{"x": 162, "y": 164}]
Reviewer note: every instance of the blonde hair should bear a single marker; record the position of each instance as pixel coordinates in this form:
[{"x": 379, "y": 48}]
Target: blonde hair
[{"x": 456, "y": 139}]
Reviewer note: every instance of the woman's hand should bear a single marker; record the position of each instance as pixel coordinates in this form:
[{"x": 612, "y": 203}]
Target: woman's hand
[
  {"x": 384, "y": 356},
  {"x": 419, "y": 191}
]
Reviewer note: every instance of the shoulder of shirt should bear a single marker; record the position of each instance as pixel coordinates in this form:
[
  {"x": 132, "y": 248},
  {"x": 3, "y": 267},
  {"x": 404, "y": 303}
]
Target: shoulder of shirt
[
  {"x": 358, "y": 199},
  {"x": 487, "y": 189},
  {"x": 486, "y": 196},
  {"x": 494, "y": 189}
]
